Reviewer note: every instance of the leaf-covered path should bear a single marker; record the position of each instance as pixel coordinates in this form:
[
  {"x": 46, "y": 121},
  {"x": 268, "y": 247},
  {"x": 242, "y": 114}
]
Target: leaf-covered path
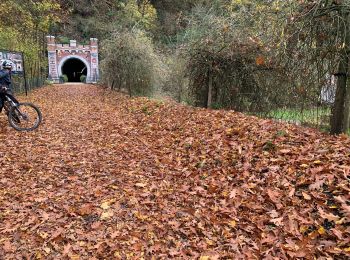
[{"x": 108, "y": 177}]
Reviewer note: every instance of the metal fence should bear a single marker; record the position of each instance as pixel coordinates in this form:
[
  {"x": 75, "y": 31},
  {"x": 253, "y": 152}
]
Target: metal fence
[{"x": 21, "y": 86}]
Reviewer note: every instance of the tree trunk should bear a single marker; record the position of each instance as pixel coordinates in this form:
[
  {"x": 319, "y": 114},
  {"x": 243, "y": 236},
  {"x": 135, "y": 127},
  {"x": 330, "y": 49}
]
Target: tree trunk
[
  {"x": 339, "y": 112},
  {"x": 346, "y": 118},
  {"x": 179, "y": 92},
  {"x": 112, "y": 86},
  {"x": 210, "y": 86},
  {"x": 338, "y": 108}
]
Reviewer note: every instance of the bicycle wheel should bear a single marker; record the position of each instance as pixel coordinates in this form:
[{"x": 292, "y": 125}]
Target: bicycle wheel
[{"x": 24, "y": 117}]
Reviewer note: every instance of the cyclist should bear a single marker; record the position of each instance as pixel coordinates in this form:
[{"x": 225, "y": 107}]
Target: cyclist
[{"x": 5, "y": 82}]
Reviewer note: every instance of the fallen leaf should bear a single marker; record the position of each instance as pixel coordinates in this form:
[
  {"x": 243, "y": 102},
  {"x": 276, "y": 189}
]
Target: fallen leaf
[
  {"x": 285, "y": 151},
  {"x": 321, "y": 230},
  {"x": 105, "y": 205},
  {"x": 140, "y": 185},
  {"x": 66, "y": 249},
  {"x": 306, "y": 196},
  {"x": 232, "y": 223},
  {"x": 328, "y": 216},
  {"x": 86, "y": 209},
  {"x": 8, "y": 247},
  {"x": 106, "y": 215},
  {"x": 277, "y": 221}
]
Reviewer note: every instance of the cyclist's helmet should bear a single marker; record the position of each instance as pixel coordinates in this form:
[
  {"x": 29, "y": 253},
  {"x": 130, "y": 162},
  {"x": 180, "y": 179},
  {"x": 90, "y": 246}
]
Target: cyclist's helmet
[{"x": 7, "y": 64}]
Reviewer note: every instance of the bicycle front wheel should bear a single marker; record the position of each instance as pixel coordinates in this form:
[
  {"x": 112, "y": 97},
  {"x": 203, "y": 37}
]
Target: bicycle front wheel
[{"x": 24, "y": 117}]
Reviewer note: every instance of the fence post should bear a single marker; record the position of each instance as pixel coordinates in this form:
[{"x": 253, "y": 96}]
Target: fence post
[{"x": 24, "y": 75}]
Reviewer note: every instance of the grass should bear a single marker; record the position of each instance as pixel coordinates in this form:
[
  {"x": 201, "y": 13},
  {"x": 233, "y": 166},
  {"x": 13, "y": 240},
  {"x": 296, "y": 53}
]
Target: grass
[{"x": 313, "y": 117}]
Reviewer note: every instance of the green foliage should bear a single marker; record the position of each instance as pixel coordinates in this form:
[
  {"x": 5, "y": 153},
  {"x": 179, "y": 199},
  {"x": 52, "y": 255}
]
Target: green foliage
[
  {"x": 175, "y": 80},
  {"x": 24, "y": 27},
  {"x": 83, "y": 78},
  {"x": 64, "y": 78},
  {"x": 92, "y": 18},
  {"x": 131, "y": 62},
  {"x": 141, "y": 14},
  {"x": 48, "y": 82},
  {"x": 63, "y": 39},
  {"x": 218, "y": 53}
]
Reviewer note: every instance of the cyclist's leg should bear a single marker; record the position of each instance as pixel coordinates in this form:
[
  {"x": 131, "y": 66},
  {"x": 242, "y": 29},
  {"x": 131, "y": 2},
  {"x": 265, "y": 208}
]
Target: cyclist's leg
[{"x": 9, "y": 94}]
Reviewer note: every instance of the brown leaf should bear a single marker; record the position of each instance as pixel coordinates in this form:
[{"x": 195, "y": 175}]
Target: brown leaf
[
  {"x": 141, "y": 185},
  {"x": 306, "y": 196},
  {"x": 67, "y": 249},
  {"x": 57, "y": 233},
  {"x": 277, "y": 221},
  {"x": 345, "y": 207},
  {"x": 274, "y": 195},
  {"x": 285, "y": 151},
  {"x": 8, "y": 247},
  {"x": 85, "y": 209},
  {"x": 233, "y": 194},
  {"x": 337, "y": 233},
  {"x": 291, "y": 192},
  {"x": 326, "y": 215},
  {"x": 317, "y": 185},
  {"x": 96, "y": 225}
]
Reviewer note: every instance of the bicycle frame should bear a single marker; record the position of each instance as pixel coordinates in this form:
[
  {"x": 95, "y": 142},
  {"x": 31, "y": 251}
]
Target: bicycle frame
[{"x": 8, "y": 100}]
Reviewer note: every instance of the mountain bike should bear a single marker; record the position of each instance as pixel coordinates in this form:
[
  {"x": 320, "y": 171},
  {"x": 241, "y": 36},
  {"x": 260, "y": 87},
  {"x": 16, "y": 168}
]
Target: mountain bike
[{"x": 21, "y": 116}]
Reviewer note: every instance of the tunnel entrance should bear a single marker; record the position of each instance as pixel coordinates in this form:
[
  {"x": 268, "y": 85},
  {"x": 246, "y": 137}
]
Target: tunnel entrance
[{"x": 74, "y": 68}]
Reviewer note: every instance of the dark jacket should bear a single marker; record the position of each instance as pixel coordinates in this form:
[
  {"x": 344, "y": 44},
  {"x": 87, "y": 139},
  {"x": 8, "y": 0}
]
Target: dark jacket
[{"x": 5, "y": 78}]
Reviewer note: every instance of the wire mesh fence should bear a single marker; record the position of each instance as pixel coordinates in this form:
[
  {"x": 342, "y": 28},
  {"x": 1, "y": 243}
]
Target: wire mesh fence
[
  {"x": 19, "y": 84},
  {"x": 293, "y": 105},
  {"x": 311, "y": 116}
]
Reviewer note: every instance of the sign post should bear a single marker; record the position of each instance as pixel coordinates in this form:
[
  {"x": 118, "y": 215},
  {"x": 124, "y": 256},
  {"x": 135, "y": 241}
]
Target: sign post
[{"x": 24, "y": 76}]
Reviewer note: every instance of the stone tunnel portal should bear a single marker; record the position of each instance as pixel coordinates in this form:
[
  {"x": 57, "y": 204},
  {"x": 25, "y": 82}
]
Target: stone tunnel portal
[
  {"x": 74, "y": 69},
  {"x": 73, "y": 60}
]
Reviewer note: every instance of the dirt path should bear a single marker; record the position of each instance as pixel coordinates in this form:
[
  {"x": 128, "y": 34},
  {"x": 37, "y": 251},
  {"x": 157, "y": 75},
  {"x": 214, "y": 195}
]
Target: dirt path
[{"x": 107, "y": 177}]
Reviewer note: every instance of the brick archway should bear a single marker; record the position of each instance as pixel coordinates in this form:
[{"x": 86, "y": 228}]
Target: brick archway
[{"x": 59, "y": 54}]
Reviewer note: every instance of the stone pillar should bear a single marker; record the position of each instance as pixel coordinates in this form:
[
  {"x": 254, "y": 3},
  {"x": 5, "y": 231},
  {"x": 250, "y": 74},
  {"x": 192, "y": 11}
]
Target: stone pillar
[
  {"x": 52, "y": 56},
  {"x": 94, "y": 61},
  {"x": 73, "y": 43}
]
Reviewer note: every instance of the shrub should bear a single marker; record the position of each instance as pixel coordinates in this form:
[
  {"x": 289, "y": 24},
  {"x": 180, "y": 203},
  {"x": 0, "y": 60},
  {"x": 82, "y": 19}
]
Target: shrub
[
  {"x": 226, "y": 68},
  {"x": 83, "y": 78},
  {"x": 63, "y": 78},
  {"x": 176, "y": 82},
  {"x": 131, "y": 63},
  {"x": 48, "y": 82}
]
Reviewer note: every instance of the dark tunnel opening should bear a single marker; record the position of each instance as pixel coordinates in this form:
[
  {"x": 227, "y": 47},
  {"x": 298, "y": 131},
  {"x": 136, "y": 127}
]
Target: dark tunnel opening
[{"x": 74, "y": 69}]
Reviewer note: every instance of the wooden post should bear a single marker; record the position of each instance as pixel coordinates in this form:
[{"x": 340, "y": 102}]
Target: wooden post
[
  {"x": 24, "y": 75},
  {"x": 210, "y": 85},
  {"x": 340, "y": 111}
]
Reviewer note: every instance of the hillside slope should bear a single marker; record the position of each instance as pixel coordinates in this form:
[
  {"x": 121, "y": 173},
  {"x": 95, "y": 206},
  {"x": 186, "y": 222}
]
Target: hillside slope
[{"x": 106, "y": 176}]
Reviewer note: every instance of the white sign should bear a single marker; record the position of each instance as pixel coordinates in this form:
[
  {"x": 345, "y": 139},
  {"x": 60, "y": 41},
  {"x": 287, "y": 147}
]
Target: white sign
[{"x": 15, "y": 57}]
